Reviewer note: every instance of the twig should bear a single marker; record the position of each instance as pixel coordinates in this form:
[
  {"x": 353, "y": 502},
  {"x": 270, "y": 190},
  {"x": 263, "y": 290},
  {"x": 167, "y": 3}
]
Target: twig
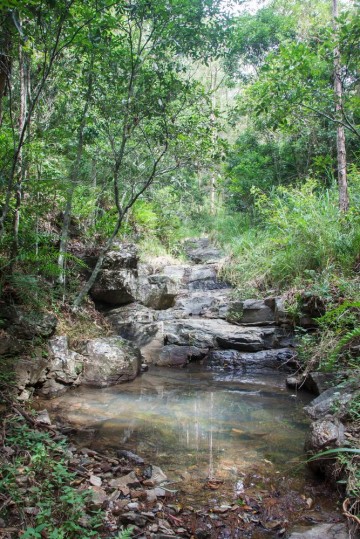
[{"x": 347, "y": 513}]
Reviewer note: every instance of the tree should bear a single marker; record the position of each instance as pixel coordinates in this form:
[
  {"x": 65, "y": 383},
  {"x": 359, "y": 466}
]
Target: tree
[
  {"x": 148, "y": 106},
  {"x": 293, "y": 91}
]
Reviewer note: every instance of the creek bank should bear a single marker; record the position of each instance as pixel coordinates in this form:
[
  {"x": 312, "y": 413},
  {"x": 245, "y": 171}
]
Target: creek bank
[{"x": 131, "y": 492}]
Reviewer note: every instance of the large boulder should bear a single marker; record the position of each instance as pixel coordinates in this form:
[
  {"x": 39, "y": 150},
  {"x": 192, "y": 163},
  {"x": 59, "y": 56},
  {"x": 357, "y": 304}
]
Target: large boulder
[
  {"x": 157, "y": 291},
  {"x": 29, "y": 373},
  {"x": 51, "y": 376},
  {"x": 9, "y": 344},
  {"x": 110, "y": 361},
  {"x": 327, "y": 433},
  {"x": 116, "y": 282},
  {"x": 331, "y": 400},
  {"x": 115, "y": 286},
  {"x": 122, "y": 280},
  {"x": 134, "y": 322},
  {"x": 64, "y": 365}
]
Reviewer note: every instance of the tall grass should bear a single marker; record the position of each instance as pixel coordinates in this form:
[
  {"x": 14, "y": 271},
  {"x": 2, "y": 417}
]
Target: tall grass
[{"x": 299, "y": 235}]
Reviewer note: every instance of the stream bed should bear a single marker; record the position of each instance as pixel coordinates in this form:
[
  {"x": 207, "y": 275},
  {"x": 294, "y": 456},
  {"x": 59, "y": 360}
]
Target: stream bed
[
  {"x": 193, "y": 417},
  {"x": 233, "y": 433}
]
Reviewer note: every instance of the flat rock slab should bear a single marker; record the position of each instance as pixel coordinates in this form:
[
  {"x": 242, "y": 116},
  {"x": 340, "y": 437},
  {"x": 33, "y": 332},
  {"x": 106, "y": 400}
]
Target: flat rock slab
[
  {"x": 323, "y": 531},
  {"x": 233, "y": 359},
  {"x": 200, "y": 251},
  {"x": 213, "y": 333}
]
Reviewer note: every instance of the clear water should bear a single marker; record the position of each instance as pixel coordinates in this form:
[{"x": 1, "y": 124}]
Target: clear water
[{"x": 209, "y": 424}]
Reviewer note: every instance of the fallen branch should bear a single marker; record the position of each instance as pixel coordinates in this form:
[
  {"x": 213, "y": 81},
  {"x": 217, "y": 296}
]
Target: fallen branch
[{"x": 347, "y": 509}]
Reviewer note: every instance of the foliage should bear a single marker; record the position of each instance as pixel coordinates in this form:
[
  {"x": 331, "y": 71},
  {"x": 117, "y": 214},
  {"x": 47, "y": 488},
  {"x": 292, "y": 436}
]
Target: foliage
[
  {"x": 299, "y": 238},
  {"x": 51, "y": 505}
]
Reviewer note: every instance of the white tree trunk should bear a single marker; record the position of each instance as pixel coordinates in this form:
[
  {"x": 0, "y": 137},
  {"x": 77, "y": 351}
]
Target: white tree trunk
[{"x": 341, "y": 145}]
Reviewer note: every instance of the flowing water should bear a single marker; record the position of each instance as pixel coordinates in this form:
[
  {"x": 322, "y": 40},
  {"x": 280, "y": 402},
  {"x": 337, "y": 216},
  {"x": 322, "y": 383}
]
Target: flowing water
[{"x": 208, "y": 424}]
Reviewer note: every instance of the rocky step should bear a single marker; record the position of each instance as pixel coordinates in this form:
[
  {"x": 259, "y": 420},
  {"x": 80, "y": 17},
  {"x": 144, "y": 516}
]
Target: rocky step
[{"x": 178, "y": 341}]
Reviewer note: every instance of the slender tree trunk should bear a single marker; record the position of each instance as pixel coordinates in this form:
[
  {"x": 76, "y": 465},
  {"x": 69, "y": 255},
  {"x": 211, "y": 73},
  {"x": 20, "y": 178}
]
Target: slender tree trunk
[
  {"x": 341, "y": 146},
  {"x": 5, "y": 59},
  {"x": 21, "y": 165},
  {"x": 213, "y": 84},
  {"x": 64, "y": 238}
]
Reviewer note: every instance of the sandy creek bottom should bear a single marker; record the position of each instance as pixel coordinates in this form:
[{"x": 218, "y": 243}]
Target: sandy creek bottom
[{"x": 199, "y": 424}]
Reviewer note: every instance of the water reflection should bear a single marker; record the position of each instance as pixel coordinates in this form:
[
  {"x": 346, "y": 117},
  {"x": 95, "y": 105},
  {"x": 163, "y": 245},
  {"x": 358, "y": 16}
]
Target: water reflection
[{"x": 213, "y": 424}]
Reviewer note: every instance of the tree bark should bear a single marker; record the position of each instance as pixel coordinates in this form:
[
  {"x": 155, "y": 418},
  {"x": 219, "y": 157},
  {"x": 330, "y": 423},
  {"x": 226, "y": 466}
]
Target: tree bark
[
  {"x": 21, "y": 165},
  {"x": 5, "y": 59},
  {"x": 73, "y": 177},
  {"x": 341, "y": 143}
]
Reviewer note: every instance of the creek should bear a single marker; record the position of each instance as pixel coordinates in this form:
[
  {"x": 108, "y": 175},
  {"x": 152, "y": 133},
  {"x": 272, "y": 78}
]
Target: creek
[
  {"x": 213, "y": 410},
  {"x": 196, "y": 423}
]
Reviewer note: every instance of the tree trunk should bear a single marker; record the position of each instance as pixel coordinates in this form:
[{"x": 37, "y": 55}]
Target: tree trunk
[
  {"x": 341, "y": 146},
  {"x": 21, "y": 165},
  {"x": 5, "y": 59},
  {"x": 64, "y": 238}
]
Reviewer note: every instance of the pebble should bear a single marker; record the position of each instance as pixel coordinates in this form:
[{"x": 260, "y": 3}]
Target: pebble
[
  {"x": 133, "y": 506},
  {"x": 95, "y": 480}
]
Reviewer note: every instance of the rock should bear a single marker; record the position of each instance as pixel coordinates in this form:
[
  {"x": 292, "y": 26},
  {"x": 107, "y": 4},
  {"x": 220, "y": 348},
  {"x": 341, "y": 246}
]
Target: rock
[
  {"x": 151, "y": 496},
  {"x": 130, "y": 456},
  {"x": 318, "y": 382},
  {"x": 218, "y": 334},
  {"x": 233, "y": 359},
  {"x": 281, "y": 314},
  {"x": 115, "y": 287},
  {"x": 253, "y": 311},
  {"x": 125, "y": 481},
  {"x": 200, "y": 251},
  {"x": 27, "y": 325},
  {"x": 95, "y": 480},
  {"x": 335, "y": 398},
  {"x": 336, "y": 530},
  {"x": 157, "y": 291},
  {"x": 325, "y": 434},
  {"x": 65, "y": 364},
  {"x": 133, "y": 518},
  {"x": 178, "y": 356},
  {"x": 52, "y": 389},
  {"x": 43, "y": 417},
  {"x": 133, "y": 506},
  {"x": 9, "y": 344},
  {"x": 295, "y": 382},
  {"x": 109, "y": 361},
  {"x": 160, "y": 492},
  {"x": 176, "y": 272},
  {"x": 98, "y": 497},
  {"x": 29, "y": 372},
  {"x": 51, "y": 376},
  {"x": 157, "y": 475},
  {"x": 134, "y": 322},
  {"x": 202, "y": 273}
]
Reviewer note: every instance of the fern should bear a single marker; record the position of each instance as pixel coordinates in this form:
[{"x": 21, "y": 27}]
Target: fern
[
  {"x": 342, "y": 315},
  {"x": 125, "y": 534},
  {"x": 348, "y": 337}
]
